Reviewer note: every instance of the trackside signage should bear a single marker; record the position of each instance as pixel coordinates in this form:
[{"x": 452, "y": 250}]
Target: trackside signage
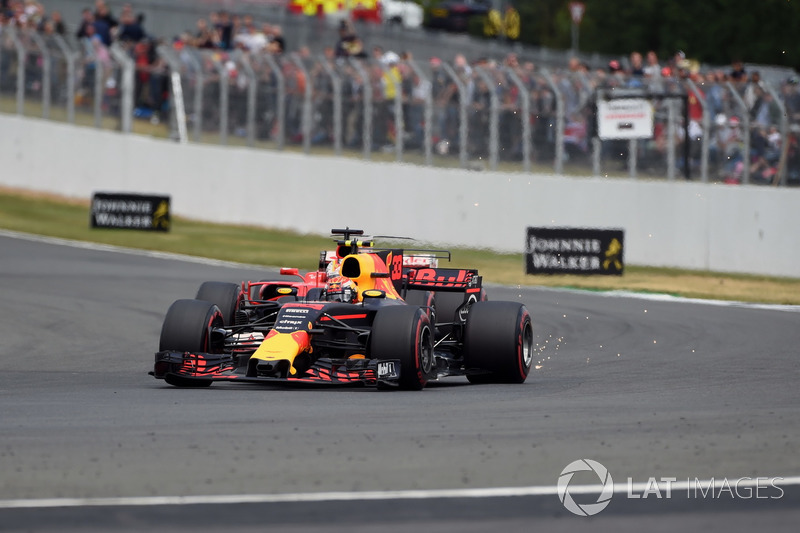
[
  {"x": 628, "y": 118},
  {"x": 130, "y": 211},
  {"x": 574, "y": 251}
]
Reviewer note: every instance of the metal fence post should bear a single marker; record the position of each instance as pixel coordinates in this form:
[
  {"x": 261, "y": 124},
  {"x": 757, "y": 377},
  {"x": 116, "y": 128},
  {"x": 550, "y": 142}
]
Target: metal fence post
[
  {"x": 596, "y": 148},
  {"x": 21, "y": 55},
  {"x": 746, "y": 127},
  {"x": 252, "y": 87},
  {"x": 560, "y": 121},
  {"x": 784, "y": 128},
  {"x": 46, "y": 72},
  {"x": 223, "y": 100},
  {"x": 307, "y": 118},
  {"x": 71, "y": 57},
  {"x": 494, "y": 105},
  {"x": 399, "y": 126},
  {"x": 428, "y": 112},
  {"x": 97, "y": 97},
  {"x": 199, "y": 85},
  {"x": 367, "y": 102},
  {"x": 706, "y": 125},
  {"x": 525, "y": 101},
  {"x": 127, "y": 64},
  {"x": 633, "y": 147},
  {"x": 281, "y": 99},
  {"x": 177, "y": 103},
  {"x": 671, "y": 140},
  {"x": 463, "y": 131},
  {"x": 336, "y": 81}
]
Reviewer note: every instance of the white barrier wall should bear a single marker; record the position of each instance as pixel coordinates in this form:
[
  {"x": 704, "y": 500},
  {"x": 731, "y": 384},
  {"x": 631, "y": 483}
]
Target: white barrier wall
[{"x": 690, "y": 225}]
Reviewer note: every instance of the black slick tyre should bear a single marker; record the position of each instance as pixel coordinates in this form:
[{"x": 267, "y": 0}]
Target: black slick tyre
[
  {"x": 447, "y": 303},
  {"x": 187, "y": 328},
  {"x": 425, "y": 299},
  {"x": 227, "y": 296},
  {"x": 404, "y": 332},
  {"x": 498, "y": 340}
]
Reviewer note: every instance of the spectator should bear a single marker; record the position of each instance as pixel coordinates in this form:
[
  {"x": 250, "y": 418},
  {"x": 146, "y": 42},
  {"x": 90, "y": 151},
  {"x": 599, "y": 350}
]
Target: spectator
[
  {"x": 57, "y": 23},
  {"x": 715, "y": 94},
  {"x": 276, "y": 43},
  {"x": 415, "y": 124},
  {"x": 751, "y": 90},
  {"x": 102, "y": 26},
  {"x": 574, "y": 64},
  {"x": 87, "y": 19},
  {"x": 103, "y": 14},
  {"x": 737, "y": 73},
  {"x": 730, "y": 145},
  {"x": 652, "y": 69},
  {"x": 790, "y": 95},
  {"x": 637, "y": 66},
  {"x": 349, "y": 45},
  {"x": 130, "y": 28},
  {"x": 762, "y": 160},
  {"x": 206, "y": 36},
  {"x": 793, "y": 155},
  {"x": 765, "y": 111},
  {"x": 224, "y": 26},
  {"x": 34, "y": 13},
  {"x": 388, "y": 82},
  {"x": 249, "y": 37},
  {"x": 352, "y": 95}
]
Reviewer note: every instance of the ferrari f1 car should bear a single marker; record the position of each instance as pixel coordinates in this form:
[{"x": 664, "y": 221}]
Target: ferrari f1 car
[{"x": 368, "y": 316}]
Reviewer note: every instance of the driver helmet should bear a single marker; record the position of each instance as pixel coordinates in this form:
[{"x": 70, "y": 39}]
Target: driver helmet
[{"x": 340, "y": 289}]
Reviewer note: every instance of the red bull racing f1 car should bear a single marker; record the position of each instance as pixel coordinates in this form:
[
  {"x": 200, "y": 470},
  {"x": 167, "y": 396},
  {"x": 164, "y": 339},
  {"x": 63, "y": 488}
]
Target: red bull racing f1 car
[{"x": 390, "y": 318}]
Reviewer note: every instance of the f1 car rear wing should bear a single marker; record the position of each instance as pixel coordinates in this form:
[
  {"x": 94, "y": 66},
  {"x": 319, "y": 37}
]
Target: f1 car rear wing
[
  {"x": 444, "y": 279},
  {"x": 408, "y": 268},
  {"x": 415, "y": 259},
  {"x": 412, "y": 257}
]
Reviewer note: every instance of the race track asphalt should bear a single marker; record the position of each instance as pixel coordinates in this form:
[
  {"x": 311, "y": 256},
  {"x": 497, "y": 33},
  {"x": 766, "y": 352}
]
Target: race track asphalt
[{"x": 647, "y": 388}]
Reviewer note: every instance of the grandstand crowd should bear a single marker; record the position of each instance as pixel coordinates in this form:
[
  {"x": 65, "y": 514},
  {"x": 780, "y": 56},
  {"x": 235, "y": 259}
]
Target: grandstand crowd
[{"x": 449, "y": 80}]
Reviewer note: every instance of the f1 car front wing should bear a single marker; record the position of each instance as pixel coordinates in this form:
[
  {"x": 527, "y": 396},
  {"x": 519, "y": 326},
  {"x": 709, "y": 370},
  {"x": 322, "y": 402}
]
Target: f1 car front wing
[{"x": 205, "y": 367}]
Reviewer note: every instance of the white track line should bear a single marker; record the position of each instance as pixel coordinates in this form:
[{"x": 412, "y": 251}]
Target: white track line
[
  {"x": 319, "y": 497},
  {"x": 218, "y": 262}
]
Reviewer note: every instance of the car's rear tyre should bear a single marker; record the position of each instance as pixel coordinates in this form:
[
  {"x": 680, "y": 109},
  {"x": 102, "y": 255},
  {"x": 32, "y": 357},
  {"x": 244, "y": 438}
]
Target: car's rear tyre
[
  {"x": 446, "y": 305},
  {"x": 187, "y": 328},
  {"x": 426, "y": 299},
  {"x": 404, "y": 332},
  {"x": 227, "y": 296},
  {"x": 498, "y": 339},
  {"x": 314, "y": 294}
]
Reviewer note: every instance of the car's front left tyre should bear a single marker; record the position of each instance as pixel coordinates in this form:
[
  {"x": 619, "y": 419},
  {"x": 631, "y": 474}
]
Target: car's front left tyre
[
  {"x": 405, "y": 333},
  {"x": 188, "y": 327}
]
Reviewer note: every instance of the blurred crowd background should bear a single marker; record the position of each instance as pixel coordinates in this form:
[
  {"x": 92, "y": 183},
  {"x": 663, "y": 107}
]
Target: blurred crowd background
[{"x": 257, "y": 74}]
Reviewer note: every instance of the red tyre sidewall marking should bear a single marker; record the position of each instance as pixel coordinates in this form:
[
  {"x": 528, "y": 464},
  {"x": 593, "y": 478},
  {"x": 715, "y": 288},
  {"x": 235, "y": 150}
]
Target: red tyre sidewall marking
[
  {"x": 207, "y": 340},
  {"x": 520, "y": 342},
  {"x": 420, "y": 375}
]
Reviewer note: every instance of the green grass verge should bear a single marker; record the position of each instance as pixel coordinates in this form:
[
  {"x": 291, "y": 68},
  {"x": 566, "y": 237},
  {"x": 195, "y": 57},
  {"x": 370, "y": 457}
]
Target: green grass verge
[{"x": 69, "y": 219}]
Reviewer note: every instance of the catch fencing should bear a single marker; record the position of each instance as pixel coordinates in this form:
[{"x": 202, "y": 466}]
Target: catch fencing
[{"x": 508, "y": 116}]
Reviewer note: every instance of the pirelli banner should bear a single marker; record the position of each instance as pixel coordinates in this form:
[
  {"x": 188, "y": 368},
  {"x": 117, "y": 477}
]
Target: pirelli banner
[
  {"x": 574, "y": 251},
  {"x": 130, "y": 211}
]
